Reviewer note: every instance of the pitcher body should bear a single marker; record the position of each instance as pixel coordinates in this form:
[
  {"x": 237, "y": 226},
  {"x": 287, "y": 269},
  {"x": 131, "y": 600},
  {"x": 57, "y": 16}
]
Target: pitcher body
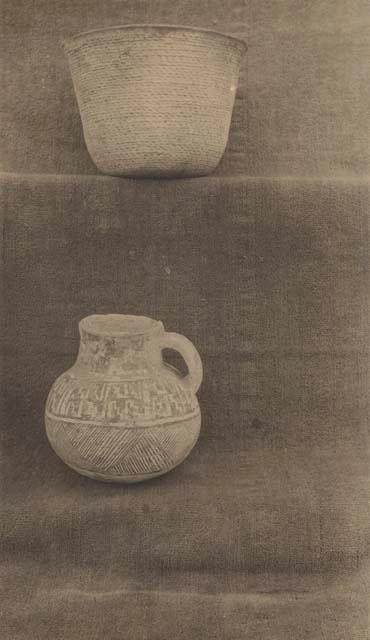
[{"x": 120, "y": 413}]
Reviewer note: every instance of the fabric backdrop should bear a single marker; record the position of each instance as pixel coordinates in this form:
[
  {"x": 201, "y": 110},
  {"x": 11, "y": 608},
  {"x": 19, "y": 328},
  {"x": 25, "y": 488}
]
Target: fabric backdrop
[
  {"x": 303, "y": 102},
  {"x": 264, "y": 531},
  {"x": 274, "y": 289}
]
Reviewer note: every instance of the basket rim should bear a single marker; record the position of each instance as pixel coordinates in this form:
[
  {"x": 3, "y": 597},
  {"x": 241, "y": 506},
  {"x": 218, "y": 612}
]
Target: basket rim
[{"x": 147, "y": 25}]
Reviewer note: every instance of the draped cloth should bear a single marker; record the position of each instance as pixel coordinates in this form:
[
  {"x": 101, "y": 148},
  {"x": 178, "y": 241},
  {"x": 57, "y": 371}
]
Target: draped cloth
[{"x": 264, "y": 530}]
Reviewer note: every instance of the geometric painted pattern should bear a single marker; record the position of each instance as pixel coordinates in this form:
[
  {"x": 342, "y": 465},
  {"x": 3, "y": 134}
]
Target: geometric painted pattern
[
  {"x": 121, "y": 401},
  {"x": 122, "y": 451},
  {"x": 120, "y": 410}
]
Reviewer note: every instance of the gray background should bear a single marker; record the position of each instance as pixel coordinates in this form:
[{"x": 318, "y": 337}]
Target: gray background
[
  {"x": 264, "y": 530},
  {"x": 302, "y": 107}
]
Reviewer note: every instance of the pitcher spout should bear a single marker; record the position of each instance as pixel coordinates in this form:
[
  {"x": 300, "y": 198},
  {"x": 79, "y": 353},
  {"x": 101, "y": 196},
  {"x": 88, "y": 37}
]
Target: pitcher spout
[{"x": 113, "y": 342}]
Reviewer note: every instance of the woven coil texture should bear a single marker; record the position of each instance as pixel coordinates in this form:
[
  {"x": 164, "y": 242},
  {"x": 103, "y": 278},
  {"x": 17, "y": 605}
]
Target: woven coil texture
[{"x": 155, "y": 101}]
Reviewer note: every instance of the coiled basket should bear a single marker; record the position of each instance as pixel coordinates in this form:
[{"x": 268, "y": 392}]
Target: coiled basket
[{"x": 155, "y": 100}]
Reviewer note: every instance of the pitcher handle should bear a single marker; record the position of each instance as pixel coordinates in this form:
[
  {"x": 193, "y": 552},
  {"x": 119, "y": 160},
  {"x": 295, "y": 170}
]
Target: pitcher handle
[{"x": 186, "y": 349}]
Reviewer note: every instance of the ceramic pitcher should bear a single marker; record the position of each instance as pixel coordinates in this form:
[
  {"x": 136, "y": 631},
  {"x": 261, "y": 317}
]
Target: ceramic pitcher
[{"x": 120, "y": 413}]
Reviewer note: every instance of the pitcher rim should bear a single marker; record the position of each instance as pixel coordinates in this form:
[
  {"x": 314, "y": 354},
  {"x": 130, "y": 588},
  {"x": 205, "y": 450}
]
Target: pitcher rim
[
  {"x": 87, "y": 324},
  {"x": 172, "y": 27}
]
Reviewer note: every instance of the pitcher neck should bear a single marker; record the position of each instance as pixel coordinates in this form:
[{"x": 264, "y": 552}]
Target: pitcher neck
[{"x": 113, "y": 345}]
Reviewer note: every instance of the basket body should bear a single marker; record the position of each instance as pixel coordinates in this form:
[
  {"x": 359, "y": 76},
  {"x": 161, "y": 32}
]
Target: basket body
[{"x": 155, "y": 100}]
